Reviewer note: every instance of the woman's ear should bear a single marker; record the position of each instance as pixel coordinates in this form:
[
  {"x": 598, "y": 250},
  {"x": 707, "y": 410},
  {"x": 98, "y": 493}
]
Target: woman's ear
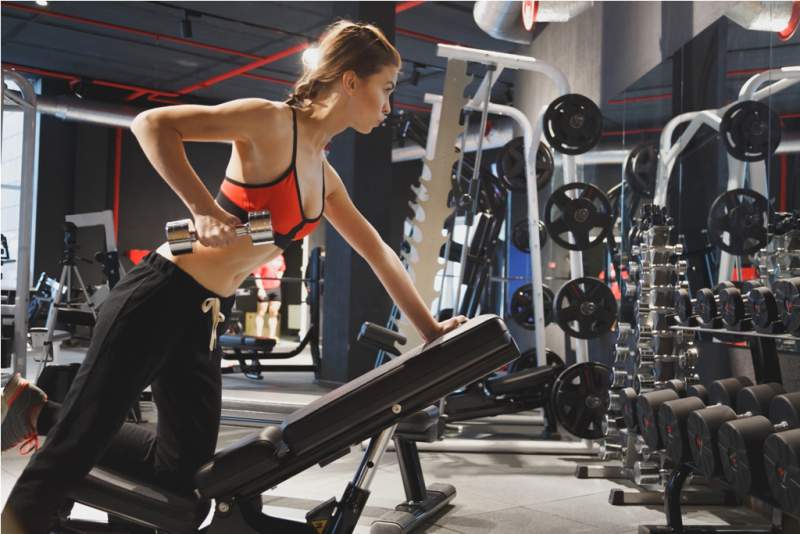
[{"x": 349, "y": 81}]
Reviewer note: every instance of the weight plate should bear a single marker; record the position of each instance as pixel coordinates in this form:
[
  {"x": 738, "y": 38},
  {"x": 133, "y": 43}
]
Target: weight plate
[
  {"x": 787, "y": 295},
  {"x": 750, "y": 131},
  {"x": 764, "y": 308},
  {"x": 520, "y": 235},
  {"x": 511, "y": 165},
  {"x": 741, "y": 216},
  {"x": 580, "y": 399},
  {"x": 641, "y": 166},
  {"x": 573, "y": 124},
  {"x": 586, "y": 218},
  {"x": 522, "y": 306},
  {"x": 588, "y": 304}
]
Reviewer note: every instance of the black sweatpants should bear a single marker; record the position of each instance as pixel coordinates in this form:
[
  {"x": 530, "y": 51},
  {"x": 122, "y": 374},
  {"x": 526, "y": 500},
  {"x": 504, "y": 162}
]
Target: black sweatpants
[{"x": 151, "y": 330}]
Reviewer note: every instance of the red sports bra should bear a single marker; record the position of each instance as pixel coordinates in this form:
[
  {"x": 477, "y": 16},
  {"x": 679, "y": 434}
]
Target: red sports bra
[{"x": 280, "y": 197}]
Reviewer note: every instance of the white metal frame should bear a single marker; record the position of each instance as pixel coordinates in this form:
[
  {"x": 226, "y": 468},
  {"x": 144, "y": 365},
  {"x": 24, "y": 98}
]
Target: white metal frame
[
  {"x": 531, "y": 132},
  {"x": 751, "y": 90}
]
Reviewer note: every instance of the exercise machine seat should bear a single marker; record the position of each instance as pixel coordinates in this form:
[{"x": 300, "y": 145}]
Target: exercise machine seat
[
  {"x": 141, "y": 501},
  {"x": 529, "y": 380},
  {"x": 251, "y": 343}
]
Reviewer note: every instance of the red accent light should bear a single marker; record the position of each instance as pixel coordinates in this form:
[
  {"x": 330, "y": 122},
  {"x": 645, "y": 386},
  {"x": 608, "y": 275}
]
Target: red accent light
[{"x": 787, "y": 33}]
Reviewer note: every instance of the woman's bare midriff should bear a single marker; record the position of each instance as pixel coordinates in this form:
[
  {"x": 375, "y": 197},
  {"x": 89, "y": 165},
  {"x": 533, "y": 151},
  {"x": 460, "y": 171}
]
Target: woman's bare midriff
[{"x": 222, "y": 270}]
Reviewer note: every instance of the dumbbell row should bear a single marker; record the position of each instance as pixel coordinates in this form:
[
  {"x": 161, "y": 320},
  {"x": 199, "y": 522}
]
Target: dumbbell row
[
  {"x": 731, "y": 437},
  {"x": 747, "y": 306}
]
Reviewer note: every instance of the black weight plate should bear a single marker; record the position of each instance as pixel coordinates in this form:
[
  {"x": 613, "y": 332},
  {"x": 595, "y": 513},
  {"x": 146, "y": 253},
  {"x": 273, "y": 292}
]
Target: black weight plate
[
  {"x": 511, "y": 165},
  {"x": 590, "y": 304},
  {"x": 522, "y": 306},
  {"x": 706, "y": 305},
  {"x": 787, "y": 295},
  {"x": 520, "y": 235},
  {"x": 578, "y": 216},
  {"x": 764, "y": 307},
  {"x": 750, "y": 131},
  {"x": 580, "y": 399},
  {"x": 683, "y": 304},
  {"x": 573, "y": 124},
  {"x": 641, "y": 167},
  {"x": 731, "y": 305},
  {"x": 742, "y": 215}
]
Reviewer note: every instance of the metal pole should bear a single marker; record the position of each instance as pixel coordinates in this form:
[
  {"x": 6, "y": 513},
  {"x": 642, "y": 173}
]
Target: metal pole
[{"x": 25, "y": 220}]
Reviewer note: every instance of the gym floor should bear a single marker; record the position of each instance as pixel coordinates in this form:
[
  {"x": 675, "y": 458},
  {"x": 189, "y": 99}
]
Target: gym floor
[{"x": 496, "y": 493}]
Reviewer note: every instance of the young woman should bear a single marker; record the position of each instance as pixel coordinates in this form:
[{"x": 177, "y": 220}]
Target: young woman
[{"x": 158, "y": 326}]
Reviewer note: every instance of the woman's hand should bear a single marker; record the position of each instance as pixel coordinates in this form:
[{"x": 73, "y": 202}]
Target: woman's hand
[
  {"x": 216, "y": 228},
  {"x": 446, "y": 326}
]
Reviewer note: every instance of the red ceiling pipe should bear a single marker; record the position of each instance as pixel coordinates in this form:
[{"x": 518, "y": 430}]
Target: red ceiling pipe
[
  {"x": 109, "y": 26},
  {"x": 405, "y": 6},
  {"x": 128, "y": 87},
  {"x": 423, "y": 36},
  {"x": 412, "y": 107},
  {"x": 42, "y": 72},
  {"x": 272, "y": 58},
  {"x": 267, "y": 79},
  {"x": 634, "y": 99}
]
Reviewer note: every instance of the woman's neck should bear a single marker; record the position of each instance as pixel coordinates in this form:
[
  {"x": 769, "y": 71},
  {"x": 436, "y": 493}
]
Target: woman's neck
[{"x": 323, "y": 120}]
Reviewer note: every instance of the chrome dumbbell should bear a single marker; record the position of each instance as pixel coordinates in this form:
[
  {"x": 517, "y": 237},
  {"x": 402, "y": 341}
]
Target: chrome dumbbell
[{"x": 181, "y": 234}]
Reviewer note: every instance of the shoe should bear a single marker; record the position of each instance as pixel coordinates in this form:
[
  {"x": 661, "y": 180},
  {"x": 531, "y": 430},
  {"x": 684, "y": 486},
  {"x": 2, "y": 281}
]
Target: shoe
[{"x": 22, "y": 402}]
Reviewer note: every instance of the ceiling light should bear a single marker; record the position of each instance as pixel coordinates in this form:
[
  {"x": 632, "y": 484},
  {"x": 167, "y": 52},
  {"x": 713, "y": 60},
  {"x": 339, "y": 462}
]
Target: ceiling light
[
  {"x": 42, "y": 3},
  {"x": 311, "y": 58}
]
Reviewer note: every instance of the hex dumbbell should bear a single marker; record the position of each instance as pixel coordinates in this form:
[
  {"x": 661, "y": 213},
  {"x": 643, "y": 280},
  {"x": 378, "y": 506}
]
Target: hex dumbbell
[
  {"x": 181, "y": 234},
  {"x": 702, "y": 426},
  {"x": 782, "y": 466},
  {"x": 741, "y": 443},
  {"x": 647, "y": 406}
]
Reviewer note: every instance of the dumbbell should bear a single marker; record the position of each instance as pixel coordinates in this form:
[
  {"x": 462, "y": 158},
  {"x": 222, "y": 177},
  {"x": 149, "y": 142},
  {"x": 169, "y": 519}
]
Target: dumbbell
[
  {"x": 787, "y": 295},
  {"x": 684, "y": 306},
  {"x": 764, "y": 307},
  {"x": 735, "y": 309},
  {"x": 181, "y": 234},
  {"x": 707, "y": 305},
  {"x": 741, "y": 443},
  {"x": 702, "y": 425},
  {"x": 782, "y": 466},
  {"x": 672, "y": 417},
  {"x": 647, "y": 405}
]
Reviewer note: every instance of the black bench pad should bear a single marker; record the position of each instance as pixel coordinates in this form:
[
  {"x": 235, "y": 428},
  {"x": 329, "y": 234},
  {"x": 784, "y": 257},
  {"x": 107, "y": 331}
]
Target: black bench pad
[
  {"x": 141, "y": 501},
  {"x": 253, "y": 455},
  {"x": 264, "y": 344}
]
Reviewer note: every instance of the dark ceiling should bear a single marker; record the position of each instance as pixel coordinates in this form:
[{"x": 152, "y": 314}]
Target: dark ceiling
[
  {"x": 141, "y": 44},
  {"x": 129, "y": 45}
]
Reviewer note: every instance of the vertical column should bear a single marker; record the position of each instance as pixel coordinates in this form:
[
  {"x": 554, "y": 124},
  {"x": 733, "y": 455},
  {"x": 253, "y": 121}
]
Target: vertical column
[
  {"x": 353, "y": 294},
  {"x": 698, "y": 82}
]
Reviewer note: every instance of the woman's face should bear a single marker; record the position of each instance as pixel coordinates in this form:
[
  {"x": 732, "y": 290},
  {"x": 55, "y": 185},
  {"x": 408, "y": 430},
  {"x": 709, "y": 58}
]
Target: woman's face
[{"x": 370, "y": 103}]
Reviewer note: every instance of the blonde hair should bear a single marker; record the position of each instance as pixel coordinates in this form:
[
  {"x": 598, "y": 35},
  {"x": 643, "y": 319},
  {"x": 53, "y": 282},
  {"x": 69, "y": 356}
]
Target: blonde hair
[{"x": 345, "y": 45}]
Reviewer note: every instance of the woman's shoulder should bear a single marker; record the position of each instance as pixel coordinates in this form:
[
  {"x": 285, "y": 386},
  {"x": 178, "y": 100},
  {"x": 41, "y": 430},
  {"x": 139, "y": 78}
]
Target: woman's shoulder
[{"x": 268, "y": 116}]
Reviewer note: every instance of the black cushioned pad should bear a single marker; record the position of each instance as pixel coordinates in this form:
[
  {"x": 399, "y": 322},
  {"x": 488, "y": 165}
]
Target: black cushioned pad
[
  {"x": 525, "y": 380},
  {"x": 413, "y": 381},
  {"x": 420, "y": 421},
  {"x": 246, "y": 342},
  {"x": 141, "y": 501},
  {"x": 363, "y": 407}
]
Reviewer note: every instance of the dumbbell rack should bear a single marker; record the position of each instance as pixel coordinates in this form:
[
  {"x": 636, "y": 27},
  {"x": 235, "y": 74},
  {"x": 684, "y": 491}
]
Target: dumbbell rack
[{"x": 647, "y": 354}]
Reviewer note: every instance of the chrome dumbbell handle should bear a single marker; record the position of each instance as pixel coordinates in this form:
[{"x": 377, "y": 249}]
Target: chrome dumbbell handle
[{"x": 181, "y": 234}]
